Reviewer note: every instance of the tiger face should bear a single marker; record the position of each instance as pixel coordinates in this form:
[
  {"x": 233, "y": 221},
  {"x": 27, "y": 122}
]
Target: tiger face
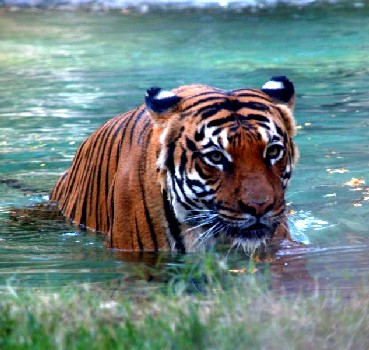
[{"x": 225, "y": 159}]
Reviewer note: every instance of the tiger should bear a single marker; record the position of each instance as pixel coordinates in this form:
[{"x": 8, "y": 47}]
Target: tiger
[{"x": 189, "y": 168}]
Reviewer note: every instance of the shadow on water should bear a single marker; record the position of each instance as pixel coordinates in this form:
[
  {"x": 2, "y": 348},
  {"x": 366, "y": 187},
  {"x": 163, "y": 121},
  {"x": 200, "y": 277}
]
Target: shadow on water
[
  {"x": 313, "y": 269},
  {"x": 42, "y": 250},
  {"x": 294, "y": 270}
]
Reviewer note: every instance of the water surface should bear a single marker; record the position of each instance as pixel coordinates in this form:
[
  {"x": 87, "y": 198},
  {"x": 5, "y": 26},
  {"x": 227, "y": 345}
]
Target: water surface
[{"x": 63, "y": 74}]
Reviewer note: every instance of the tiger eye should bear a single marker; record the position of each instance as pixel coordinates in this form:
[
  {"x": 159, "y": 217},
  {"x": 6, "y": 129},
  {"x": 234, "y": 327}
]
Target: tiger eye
[
  {"x": 215, "y": 157},
  {"x": 274, "y": 151}
]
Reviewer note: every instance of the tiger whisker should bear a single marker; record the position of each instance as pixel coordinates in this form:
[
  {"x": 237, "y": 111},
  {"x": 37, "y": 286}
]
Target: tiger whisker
[
  {"x": 195, "y": 217},
  {"x": 203, "y": 236},
  {"x": 211, "y": 232},
  {"x": 235, "y": 245},
  {"x": 201, "y": 211},
  {"x": 204, "y": 223}
]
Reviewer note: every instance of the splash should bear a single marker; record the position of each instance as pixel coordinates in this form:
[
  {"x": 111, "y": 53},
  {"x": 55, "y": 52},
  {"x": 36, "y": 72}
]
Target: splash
[{"x": 302, "y": 222}]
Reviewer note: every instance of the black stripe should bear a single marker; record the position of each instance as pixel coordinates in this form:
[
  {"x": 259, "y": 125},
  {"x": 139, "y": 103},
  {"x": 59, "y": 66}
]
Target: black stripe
[
  {"x": 142, "y": 132},
  {"x": 194, "y": 182},
  {"x": 202, "y": 192},
  {"x": 136, "y": 118},
  {"x": 85, "y": 160},
  {"x": 109, "y": 158},
  {"x": 83, "y": 215},
  {"x": 256, "y": 117},
  {"x": 72, "y": 172},
  {"x": 73, "y": 212},
  {"x": 191, "y": 145},
  {"x": 182, "y": 165},
  {"x": 209, "y": 144},
  {"x": 111, "y": 217},
  {"x": 99, "y": 160},
  {"x": 138, "y": 236},
  {"x": 173, "y": 224},
  {"x": 199, "y": 135},
  {"x": 237, "y": 105},
  {"x": 169, "y": 159},
  {"x": 142, "y": 169},
  {"x": 253, "y": 93},
  {"x": 149, "y": 220},
  {"x": 222, "y": 104},
  {"x": 280, "y": 132},
  {"x": 218, "y": 122},
  {"x": 217, "y": 132},
  {"x": 200, "y": 172},
  {"x": 88, "y": 194},
  {"x": 209, "y": 112},
  {"x": 205, "y": 100},
  {"x": 212, "y": 92},
  {"x": 220, "y": 206},
  {"x": 121, "y": 141},
  {"x": 79, "y": 185},
  {"x": 188, "y": 204},
  {"x": 130, "y": 120}
]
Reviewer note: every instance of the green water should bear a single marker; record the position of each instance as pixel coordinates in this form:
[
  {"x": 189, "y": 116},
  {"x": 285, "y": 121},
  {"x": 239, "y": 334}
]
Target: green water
[{"x": 63, "y": 74}]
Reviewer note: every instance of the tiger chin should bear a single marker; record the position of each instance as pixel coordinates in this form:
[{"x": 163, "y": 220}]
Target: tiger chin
[{"x": 187, "y": 169}]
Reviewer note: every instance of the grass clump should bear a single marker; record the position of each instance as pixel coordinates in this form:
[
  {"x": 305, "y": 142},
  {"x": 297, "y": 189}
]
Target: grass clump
[{"x": 225, "y": 312}]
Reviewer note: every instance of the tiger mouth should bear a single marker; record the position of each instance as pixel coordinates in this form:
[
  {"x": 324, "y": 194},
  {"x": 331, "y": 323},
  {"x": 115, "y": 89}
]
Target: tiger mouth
[
  {"x": 254, "y": 232},
  {"x": 235, "y": 232}
]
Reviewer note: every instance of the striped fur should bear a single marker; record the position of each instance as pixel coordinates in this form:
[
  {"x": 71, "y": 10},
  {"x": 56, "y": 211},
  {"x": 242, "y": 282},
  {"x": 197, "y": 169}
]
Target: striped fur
[{"x": 187, "y": 169}]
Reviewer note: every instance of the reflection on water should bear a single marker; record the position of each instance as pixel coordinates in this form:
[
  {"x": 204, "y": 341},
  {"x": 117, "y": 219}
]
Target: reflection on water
[
  {"x": 321, "y": 269},
  {"x": 63, "y": 74}
]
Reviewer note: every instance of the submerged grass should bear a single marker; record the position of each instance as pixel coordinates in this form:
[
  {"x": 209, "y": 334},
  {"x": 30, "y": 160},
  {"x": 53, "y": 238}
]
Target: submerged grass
[{"x": 206, "y": 308}]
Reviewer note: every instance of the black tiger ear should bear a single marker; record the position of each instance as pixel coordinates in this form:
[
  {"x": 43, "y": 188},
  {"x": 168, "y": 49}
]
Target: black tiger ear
[
  {"x": 161, "y": 102},
  {"x": 281, "y": 89}
]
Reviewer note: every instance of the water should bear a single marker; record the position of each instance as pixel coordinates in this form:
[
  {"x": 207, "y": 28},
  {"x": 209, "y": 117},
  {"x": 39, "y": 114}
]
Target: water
[
  {"x": 145, "y": 6},
  {"x": 63, "y": 74}
]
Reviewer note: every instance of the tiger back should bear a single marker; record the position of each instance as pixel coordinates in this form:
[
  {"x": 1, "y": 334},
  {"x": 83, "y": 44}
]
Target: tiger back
[{"x": 188, "y": 168}]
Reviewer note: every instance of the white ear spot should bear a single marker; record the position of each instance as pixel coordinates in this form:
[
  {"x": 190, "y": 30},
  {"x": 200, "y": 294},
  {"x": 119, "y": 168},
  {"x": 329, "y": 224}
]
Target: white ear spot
[
  {"x": 273, "y": 85},
  {"x": 163, "y": 94}
]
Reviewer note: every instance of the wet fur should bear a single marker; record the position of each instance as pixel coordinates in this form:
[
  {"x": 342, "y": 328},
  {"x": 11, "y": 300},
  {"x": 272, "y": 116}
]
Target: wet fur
[{"x": 119, "y": 181}]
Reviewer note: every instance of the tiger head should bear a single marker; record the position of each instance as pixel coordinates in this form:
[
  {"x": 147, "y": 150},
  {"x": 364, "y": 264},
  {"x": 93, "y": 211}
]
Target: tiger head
[{"x": 225, "y": 158}]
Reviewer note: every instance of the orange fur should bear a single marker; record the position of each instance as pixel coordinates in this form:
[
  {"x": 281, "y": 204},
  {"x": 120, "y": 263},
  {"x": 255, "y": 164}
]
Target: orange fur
[{"x": 116, "y": 182}]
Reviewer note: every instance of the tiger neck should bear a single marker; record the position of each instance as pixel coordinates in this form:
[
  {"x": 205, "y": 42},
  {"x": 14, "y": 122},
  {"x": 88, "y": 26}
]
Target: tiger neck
[
  {"x": 183, "y": 237},
  {"x": 174, "y": 226}
]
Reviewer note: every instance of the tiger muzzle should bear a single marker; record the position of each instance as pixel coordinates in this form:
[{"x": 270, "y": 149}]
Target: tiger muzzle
[
  {"x": 257, "y": 209},
  {"x": 253, "y": 220}
]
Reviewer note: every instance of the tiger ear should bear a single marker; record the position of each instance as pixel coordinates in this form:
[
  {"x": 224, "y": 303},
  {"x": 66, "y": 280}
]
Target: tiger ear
[
  {"x": 161, "y": 103},
  {"x": 280, "y": 89}
]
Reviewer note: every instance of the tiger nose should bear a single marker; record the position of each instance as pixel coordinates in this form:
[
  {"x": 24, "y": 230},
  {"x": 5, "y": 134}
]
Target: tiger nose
[{"x": 255, "y": 208}]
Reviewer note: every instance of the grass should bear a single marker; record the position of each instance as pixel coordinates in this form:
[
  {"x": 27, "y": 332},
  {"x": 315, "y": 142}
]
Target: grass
[{"x": 226, "y": 311}]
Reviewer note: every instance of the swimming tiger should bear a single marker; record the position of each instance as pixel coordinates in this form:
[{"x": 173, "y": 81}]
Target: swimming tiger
[{"x": 187, "y": 169}]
